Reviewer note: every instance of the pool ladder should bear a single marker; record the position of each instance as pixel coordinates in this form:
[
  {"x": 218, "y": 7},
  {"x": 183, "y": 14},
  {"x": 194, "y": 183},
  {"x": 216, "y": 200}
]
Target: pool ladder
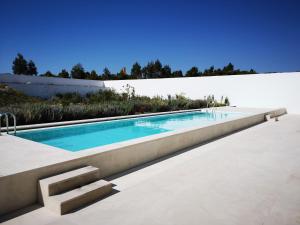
[{"x": 6, "y": 115}]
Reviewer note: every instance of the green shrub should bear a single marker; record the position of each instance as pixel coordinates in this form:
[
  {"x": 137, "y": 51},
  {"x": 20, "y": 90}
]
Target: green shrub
[
  {"x": 72, "y": 106},
  {"x": 67, "y": 98},
  {"x": 104, "y": 96},
  {"x": 9, "y": 96}
]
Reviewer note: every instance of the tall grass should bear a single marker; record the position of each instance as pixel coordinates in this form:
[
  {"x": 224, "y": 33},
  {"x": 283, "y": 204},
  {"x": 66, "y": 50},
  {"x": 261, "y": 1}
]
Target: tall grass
[{"x": 106, "y": 103}]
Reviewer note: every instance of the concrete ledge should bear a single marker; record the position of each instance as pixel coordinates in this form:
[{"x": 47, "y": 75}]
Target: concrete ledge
[
  {"x": 74, "y": 122},
  {"x": 20, "y": 190}
]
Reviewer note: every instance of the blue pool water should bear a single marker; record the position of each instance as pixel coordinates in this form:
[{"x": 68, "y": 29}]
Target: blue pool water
[{"x": 78, "y": 137}]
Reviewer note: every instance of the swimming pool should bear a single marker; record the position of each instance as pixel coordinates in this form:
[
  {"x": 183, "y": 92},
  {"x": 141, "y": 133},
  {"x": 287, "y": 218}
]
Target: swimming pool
[{"x": 79, "y": 137}]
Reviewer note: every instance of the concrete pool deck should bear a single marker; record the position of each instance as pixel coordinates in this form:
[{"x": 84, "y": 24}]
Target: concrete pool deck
[
  {"x": 249, "y": 177},
  {"x": 23, "y": 163},
  {"x": 19, "y": 155}
]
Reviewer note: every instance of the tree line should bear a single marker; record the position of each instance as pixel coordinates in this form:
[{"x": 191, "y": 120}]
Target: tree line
[{"x": 153, "y": 69}]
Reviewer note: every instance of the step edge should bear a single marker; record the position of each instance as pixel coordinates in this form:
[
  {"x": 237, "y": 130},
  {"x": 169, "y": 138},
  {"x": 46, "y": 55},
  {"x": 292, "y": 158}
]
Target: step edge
[
  {"x": 80, "y": 193},
  {"x": 50, "y": 180}
]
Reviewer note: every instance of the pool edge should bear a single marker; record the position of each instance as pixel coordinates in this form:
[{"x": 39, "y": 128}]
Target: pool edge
[{"x": 119, "y": 159}]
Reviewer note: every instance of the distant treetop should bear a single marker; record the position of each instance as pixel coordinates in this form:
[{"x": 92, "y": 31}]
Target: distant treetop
[
  {"x": 20, "y": 66},
  {"x": 153, "y": 69}
]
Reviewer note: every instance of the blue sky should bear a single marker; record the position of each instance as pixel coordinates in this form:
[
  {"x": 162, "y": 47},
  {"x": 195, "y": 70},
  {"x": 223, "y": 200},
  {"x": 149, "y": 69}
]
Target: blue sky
[{"x": 56, "y": 34}]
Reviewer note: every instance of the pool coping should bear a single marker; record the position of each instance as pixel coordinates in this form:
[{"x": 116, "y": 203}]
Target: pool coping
[
  {"x": 137, "y": 139},
  {"x": 118, "y": 157},
  {"x": 110, "y": 147},
  {"x": 102, "y": 119},
  {"x": 117, "y": 145},
  {"x": 154, "y": 137}
]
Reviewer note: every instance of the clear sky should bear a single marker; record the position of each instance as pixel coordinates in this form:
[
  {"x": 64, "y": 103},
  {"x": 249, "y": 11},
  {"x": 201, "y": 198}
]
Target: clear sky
[{"x": 56, "y": 34}]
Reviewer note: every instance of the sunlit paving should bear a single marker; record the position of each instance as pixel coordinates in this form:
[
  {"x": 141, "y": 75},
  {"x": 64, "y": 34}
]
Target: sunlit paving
[{"x": 155, "y": 113}]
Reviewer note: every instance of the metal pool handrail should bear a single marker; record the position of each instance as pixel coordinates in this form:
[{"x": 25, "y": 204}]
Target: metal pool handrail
[{"x": 7, "y": 114}]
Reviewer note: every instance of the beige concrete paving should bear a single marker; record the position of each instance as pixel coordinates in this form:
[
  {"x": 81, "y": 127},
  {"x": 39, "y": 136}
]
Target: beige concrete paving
[
  {"x": 250, "y": 177},
  {"x": 19, "y": 155},
  {"x": 21, "y": 173}
]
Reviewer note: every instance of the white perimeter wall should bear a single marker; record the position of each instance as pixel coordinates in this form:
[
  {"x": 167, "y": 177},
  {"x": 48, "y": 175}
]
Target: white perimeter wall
[
  {"x": 260, "y": 90},
  {"x": 46, "y": 87}
]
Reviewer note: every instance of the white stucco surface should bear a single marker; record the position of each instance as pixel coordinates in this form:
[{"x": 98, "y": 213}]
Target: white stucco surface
[
  {"x": 260, "y": 90},
  {"x": 272, "y": 90},
  {"x": 46, "y": 87}
]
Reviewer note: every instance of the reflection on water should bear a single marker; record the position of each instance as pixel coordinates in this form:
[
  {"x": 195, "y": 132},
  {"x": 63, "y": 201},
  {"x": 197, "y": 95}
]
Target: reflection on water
[
  {"x": 184, "y": 121},
  {"x": 79, "y": 137}
]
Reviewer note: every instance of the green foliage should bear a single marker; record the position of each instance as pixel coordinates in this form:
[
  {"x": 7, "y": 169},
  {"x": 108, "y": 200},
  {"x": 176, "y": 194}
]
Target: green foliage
[
  {"x": 72, "y": 106},
  {"x": 48, "y": 74},
  {"x": 153, "y": 69},
  {"x": 136, "y": 71},
  {"x": 107, "y": 95},
  {"x": 122, "y": 75},
  {"x": 227, "y": 70},
  {"x": 193, "y": 72},
  {"x": 10, "y": 96},
  {"x": 106, "y": 74},
  {"x": 78, "y": 72},
  {"x": 45, "y": 112},
  {"x": 31, "y": 68},
  {"x": 166, "y": 71},
  {"x": 19, "y": 65},
  {"x": 226, "y": 101},
  {"x": 157, "y": 66},
  {"x": 93, "y": 75},
  {"x": 177, "y": 73},
  {"x": 67, "y": 98},
  {"x": 64, "y": 74}
]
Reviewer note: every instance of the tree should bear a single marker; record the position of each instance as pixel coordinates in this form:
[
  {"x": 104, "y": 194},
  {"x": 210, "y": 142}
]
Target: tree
[
  {"x": 19, "y": 65},
  {"x": 229, "y": 69},
  {"x": 166, "y": 71},
  {"x": 252, "y": 71},
  {"x": 122, "y": 75},
  {"x": 157, "y": 67},
  {"x": 144, "y": 72},
  {"x": 93, "y": 75},
  {"x": 31, "y": 68},
  {"x": 210, "y": 72},
  {"x": 218, "y": 72},
  {"x": 153, "y": 69},
  {"x": 226, "y": 102},
  {"x": 78, "y": 72},
  {"x": 106, "y": 74},
  {"x": 177, "y": 73},
  {"x": 87, "y": 75},
  {"x": 193, "y": 72},
  {"x": 48, "y": 74},
  {"x": 136, "y": 71},
  {"x": 64, "y": 74},
  {"x": 149, "y": 70}
]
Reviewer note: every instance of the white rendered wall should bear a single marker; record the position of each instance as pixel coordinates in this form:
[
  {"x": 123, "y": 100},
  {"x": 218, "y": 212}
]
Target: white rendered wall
[
  {"x": 260, "y": 90},
  {"x": 46, "y": 87}
]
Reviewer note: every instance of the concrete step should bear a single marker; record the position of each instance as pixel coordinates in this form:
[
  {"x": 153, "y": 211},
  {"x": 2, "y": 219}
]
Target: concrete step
[
  {"x": 68, "y": 181},
  {"x": 74, "y": 199}
]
